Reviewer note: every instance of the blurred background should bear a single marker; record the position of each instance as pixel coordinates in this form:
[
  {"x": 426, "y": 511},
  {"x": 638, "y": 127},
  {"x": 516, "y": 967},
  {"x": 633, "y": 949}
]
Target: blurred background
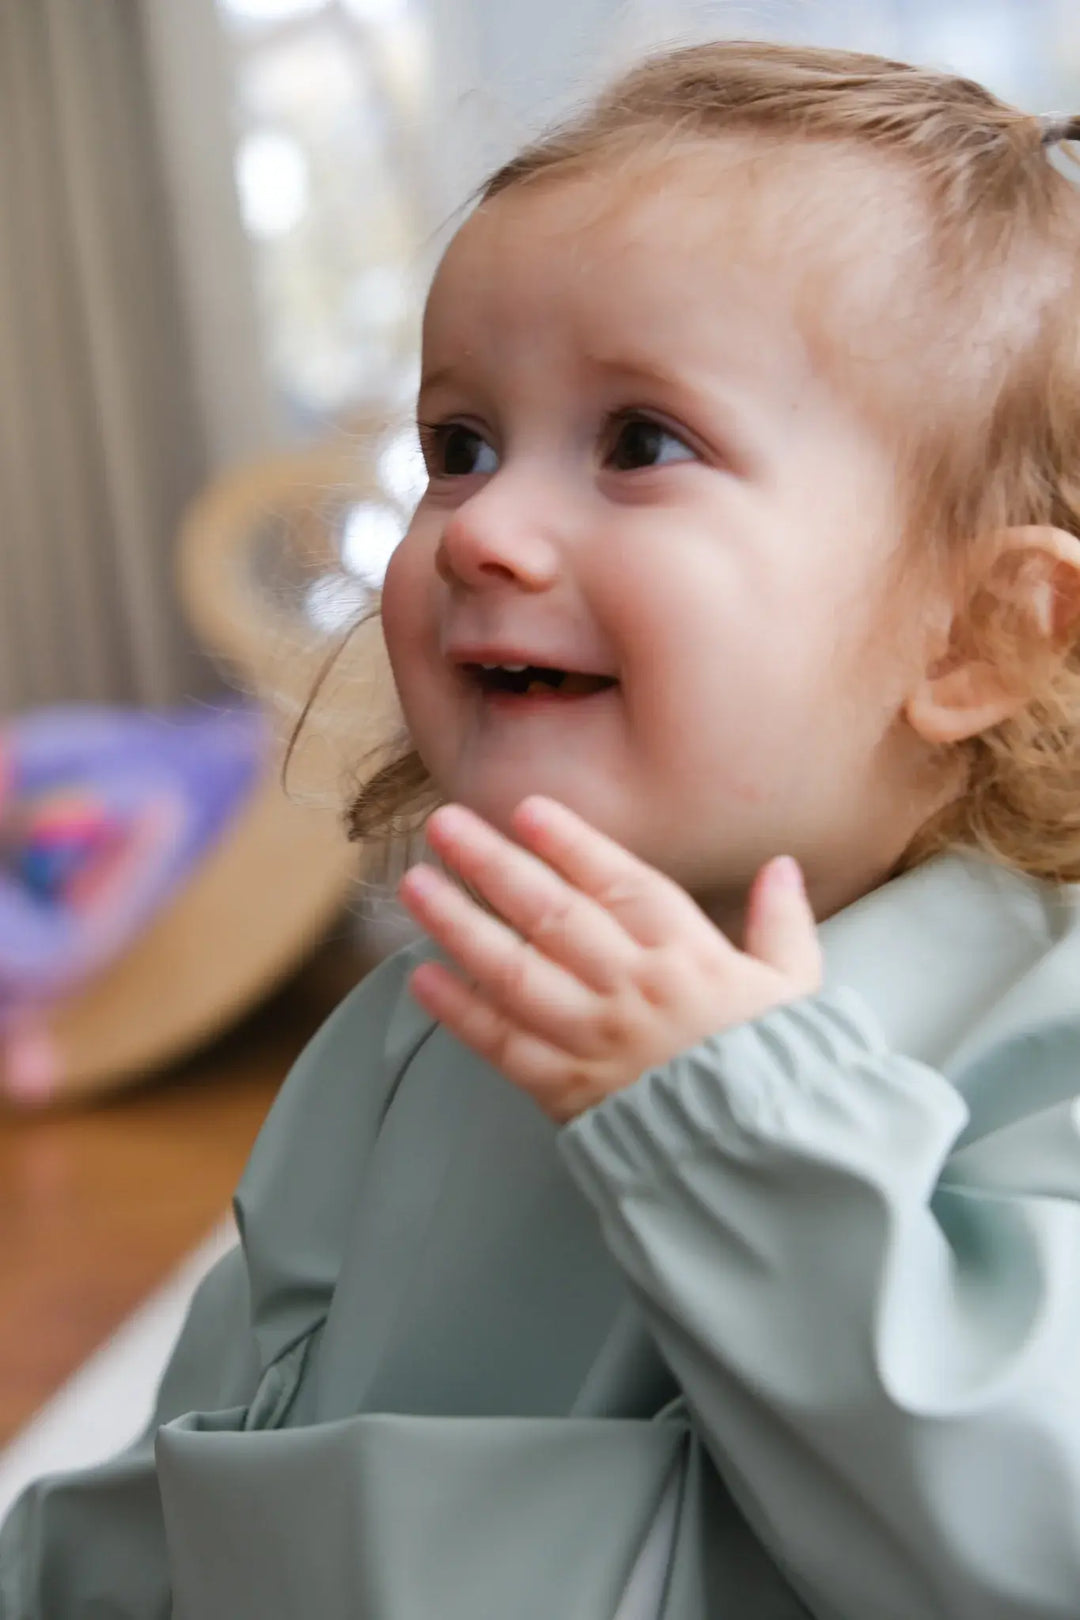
[{"x": 217, "y": 222}]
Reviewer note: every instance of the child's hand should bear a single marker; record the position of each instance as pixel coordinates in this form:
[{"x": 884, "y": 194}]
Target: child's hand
[{"x": 607, "y": 969}]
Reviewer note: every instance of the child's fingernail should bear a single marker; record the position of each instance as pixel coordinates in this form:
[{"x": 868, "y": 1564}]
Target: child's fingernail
[
  {"x": 531, "y": 812},
  {"x": 448, "y": 818},
  {"x": 787, "y": 874},
  {"x": 420, "y": 879}
]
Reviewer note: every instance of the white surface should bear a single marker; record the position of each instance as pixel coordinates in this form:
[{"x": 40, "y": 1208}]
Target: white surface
[{"x": 107, "y": 1403}]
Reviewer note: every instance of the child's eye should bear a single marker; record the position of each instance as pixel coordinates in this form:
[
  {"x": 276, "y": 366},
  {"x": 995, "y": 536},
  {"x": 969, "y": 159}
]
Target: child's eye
[
  {"x": 453, "y": 450},
  {"x": 641, "y": 442}
]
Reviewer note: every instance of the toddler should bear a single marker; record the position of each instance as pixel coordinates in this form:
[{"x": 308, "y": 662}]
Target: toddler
[{"x": 689, "y": 1228}]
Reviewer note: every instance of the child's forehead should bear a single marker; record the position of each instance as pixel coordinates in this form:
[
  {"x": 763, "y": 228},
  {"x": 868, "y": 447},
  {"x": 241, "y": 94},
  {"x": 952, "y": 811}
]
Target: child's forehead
[{"x": 807, "y": 237}]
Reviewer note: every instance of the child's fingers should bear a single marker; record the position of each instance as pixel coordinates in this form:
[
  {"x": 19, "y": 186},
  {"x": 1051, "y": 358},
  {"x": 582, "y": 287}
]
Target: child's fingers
[
  {"x": 649, "y": 906},
  {"x": 781, "y": 929},
  {"x": 558, "y": 920},
  {"x": 532, "y": 992},
  {"x": 523, "y": 1059}
]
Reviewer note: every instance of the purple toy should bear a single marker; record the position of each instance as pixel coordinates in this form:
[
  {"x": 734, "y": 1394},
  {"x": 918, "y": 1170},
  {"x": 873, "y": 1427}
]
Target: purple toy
[{"x": 104, "y": 812}]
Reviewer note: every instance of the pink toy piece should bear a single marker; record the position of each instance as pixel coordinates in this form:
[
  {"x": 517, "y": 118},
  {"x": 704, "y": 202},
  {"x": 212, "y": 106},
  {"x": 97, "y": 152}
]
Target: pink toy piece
[{"x": 31, "y": 1065}]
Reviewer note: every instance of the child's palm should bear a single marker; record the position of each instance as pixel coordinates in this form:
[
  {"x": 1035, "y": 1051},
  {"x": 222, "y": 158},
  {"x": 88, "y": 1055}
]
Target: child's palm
[{"x": 607, "y": 968}]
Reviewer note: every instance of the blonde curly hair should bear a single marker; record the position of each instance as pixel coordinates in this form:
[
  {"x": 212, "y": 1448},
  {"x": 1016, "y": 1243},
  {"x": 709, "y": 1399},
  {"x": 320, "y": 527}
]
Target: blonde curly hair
[{"x": 1003, "y": 240}]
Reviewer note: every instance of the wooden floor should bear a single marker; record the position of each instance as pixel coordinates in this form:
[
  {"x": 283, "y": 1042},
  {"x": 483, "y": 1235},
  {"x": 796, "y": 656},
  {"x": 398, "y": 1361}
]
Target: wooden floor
[{"x": 98, "y": 1206}]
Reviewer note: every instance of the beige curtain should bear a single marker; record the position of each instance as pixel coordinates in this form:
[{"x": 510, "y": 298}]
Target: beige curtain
[{"x": 100, "y": 441}]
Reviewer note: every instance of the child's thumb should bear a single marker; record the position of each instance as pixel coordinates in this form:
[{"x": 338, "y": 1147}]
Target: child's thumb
[{"x": 780, "y": 925}]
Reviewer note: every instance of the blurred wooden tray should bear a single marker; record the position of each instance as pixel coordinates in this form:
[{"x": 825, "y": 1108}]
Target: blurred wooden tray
[{"x": 270, "y": 889}]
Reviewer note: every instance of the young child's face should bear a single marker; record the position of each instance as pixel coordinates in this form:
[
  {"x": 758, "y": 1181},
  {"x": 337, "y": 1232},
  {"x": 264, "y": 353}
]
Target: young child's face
[{"x": 638, "y": 472}]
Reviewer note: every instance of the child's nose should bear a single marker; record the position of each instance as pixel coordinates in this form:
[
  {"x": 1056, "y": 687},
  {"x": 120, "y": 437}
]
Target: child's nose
[{"x": 490, "y": 542}]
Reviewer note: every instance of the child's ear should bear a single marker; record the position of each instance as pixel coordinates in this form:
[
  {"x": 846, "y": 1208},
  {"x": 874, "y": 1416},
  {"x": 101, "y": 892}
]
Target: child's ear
[{"x": 1036, "y": 581}]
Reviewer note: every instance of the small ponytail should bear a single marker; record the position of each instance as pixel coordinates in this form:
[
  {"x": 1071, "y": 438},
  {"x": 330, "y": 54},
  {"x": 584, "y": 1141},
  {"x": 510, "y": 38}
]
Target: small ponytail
[{"x": 1057, "y": 127}]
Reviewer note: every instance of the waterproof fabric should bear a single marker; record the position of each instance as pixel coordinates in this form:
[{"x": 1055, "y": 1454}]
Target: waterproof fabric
[{"x": 788, "y": 1327}]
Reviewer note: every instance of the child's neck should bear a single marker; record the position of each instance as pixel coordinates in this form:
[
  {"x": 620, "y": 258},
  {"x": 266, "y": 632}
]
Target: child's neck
[{"x": 828, "y": 894}]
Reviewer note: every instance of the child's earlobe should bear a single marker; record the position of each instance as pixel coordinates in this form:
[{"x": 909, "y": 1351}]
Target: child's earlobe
[{"x": 963, "y": 700}]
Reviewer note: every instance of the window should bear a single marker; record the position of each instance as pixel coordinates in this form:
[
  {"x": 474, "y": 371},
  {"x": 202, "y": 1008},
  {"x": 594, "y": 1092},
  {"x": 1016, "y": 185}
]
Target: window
[
  {"x": 1026, "y": 50},
  {"x": 338, "y": 118},
  {"x": 329, "y": 111}
]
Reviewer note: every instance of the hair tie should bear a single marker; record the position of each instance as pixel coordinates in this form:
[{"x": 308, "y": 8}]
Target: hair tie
[{"x": 1059, "y": 127}]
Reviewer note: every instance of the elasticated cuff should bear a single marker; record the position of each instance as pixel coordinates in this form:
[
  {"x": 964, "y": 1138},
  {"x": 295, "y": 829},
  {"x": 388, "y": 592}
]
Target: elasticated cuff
[{"x": 743, "y": 1088}]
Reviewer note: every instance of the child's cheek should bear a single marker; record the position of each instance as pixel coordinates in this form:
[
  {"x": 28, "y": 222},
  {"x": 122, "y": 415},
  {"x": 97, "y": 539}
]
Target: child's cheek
[
  {"x": 411, "y": 631},
  {"x": 394, "y": 594},
  {"x": 405, "y": 605}
]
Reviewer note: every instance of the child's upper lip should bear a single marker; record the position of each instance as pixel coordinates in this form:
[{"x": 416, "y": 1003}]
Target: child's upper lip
[{"x": 512, "y": 652}]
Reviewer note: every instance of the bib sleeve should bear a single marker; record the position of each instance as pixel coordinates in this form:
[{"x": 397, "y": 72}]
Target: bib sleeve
[{"x": 876, "y": 1332}]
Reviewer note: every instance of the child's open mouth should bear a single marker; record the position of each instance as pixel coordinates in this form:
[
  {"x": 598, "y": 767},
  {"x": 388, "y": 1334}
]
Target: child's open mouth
[{"x": 536, "y": 680}]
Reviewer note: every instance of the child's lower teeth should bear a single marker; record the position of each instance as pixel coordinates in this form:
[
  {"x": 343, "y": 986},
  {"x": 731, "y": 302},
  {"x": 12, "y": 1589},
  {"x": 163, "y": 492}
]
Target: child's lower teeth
[{"x": 568, "y": 686}]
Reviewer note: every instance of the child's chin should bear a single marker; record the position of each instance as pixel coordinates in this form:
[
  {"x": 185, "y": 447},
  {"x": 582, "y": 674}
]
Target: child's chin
[
  {"x": 496, "y": 805},
  {"x": 497, "y": 802}
]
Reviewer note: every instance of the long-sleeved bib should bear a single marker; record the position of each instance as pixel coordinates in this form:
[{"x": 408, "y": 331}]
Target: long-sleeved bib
[{"x": 789, "y": 1327}]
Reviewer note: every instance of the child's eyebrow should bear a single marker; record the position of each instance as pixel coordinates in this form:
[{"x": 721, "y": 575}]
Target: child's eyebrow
[
  {"x": 642, "y": 368},
  {"x": 700, "y": 390},
  {"x": 724, "y": 406},
  {"x": 435, "y": 379}
]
